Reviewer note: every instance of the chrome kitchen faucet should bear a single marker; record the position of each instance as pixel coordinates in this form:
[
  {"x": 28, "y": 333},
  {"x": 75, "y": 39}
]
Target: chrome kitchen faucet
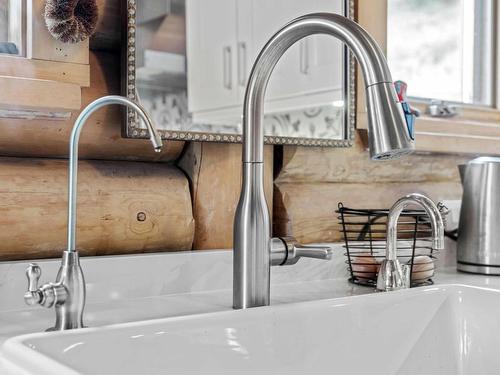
[
  {"x": 67, "y": 293},
  {"x": 390, "y": 136}
]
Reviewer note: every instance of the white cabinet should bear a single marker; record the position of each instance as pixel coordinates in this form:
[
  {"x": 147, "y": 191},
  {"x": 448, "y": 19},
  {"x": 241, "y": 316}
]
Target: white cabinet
[
  {"x": 211, "y": 43},
  {"x": 312, "y": 65},
  {"x": 224, "y": 38}
]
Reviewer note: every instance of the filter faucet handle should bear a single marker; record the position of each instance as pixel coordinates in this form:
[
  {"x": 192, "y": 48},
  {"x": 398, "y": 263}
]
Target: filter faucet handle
[
  {"x": 33, "y": 296},
  {"x": 33, "y": 273}
]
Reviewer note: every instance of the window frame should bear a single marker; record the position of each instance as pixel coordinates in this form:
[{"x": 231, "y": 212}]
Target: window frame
[
  {"x": 17, "y": 30},
  {"x": 475, "y": 130}
]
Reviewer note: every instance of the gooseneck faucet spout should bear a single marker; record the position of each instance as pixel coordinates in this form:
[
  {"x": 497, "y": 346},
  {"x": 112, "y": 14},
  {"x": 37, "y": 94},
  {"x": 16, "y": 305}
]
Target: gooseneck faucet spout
[
  {"x": 389, "y": 133},
  {"x": 73, "y": 151},
  {"x": 390, "y": 275},
  {"x": 67, "y": 294}
]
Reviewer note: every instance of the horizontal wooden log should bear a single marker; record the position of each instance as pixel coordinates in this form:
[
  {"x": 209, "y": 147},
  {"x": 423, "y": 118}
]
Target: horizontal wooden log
[
  {"x": 123, "y": 207},
  {"x": 307, "y": 210},
  {"x": 324, "y": 164},
  {"x": 214, "y": 170},
  {"x": 101, "y": 137}
]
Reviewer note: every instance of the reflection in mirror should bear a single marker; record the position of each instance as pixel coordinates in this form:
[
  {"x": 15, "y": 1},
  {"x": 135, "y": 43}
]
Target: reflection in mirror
[
  {"x": 188, "y": 62},
  {"x": 11, "y": 27},
  {"x": 443, "y": 49}
]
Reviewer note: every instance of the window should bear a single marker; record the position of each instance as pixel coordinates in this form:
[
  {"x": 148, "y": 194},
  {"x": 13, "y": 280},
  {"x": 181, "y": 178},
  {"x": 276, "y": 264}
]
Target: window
[
  {"x": 448, "y": 50},
  {"x": 11, "y": 27},
  {"x": 443, "y": 49}
]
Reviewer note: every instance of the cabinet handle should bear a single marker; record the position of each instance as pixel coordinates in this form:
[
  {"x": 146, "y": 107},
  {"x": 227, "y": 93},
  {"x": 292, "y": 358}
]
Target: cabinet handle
[
  {"x": 304, "y": 56},
  {"x": 242, "y": 63},
  {"x": 226, "y": 67}
]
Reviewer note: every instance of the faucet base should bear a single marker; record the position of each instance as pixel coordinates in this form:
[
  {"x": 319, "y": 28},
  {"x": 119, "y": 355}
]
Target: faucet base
[
  {"x": 391, "y": 276},
  {"x": 69, "y": 313},
  {"x": 252, "y": 242}
]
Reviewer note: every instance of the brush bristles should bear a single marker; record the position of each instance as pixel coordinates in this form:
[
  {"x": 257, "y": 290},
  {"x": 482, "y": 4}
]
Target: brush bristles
[{"x": 71, "y": 21}]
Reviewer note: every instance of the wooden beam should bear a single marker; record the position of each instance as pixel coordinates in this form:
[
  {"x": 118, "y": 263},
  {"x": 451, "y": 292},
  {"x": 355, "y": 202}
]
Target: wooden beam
[
  {"x": 107, "y": 35},
  {"x": 214, "y": 170},
  {"x": 353, "y": 165},
  {"x": 372, "y": 16},
  {"x": 452, "y": 136}
]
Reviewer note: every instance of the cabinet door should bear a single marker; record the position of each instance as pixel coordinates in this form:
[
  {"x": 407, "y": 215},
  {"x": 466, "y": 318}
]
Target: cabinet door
[
  {"x": 313, "y": 65},
  {"x": 211, "y": 54}
]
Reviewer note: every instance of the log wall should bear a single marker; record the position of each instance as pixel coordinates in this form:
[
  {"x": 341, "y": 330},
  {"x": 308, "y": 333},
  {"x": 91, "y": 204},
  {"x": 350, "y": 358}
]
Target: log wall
[
  {"x": 312, "y": 181},
  {"x": 127, "y": 206},
  {"x": 123, "y": 207}
]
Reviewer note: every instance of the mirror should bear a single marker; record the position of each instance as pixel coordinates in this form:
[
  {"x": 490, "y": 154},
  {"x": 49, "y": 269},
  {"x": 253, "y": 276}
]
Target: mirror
[
  {"x": 11, "y": 27},
  {"x": 187, "y": 62}
]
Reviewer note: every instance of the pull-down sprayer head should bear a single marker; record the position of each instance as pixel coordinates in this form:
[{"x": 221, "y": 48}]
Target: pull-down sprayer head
[{"x": 389, "y": 135}]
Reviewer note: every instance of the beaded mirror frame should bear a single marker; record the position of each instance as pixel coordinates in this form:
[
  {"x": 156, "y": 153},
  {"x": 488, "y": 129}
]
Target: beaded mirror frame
[{"x": 132, "y": 128}]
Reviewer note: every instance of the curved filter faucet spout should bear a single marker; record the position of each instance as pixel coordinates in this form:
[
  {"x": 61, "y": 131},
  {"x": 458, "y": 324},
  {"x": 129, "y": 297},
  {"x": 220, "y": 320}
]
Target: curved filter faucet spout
[
  {"x": 390, "y": 275},
  {"x": 389, "y": 137},
  {"x": 73, "y": 151}
]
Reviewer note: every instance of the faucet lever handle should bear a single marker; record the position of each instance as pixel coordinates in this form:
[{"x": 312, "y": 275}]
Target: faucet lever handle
[
  {"x": 33, "y": 296},
  {"x": 313, "y": 251},
  {"x": 286, "y": 251},
  {"x": 33, "y": 273}
]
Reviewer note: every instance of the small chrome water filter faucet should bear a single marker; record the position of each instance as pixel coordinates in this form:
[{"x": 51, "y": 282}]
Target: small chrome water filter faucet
[
  {"x": 392, "y": 275},
  {"x": 67, "y": 293},
  {"x": 389, "y": 136}
]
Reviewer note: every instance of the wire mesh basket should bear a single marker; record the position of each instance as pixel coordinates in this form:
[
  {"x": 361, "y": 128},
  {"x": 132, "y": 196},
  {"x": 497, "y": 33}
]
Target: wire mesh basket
[{"x": 364, "y": 232}]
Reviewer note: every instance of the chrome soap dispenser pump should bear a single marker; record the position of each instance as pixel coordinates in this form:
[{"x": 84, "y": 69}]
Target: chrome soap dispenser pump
[{"x": 67, "y": 293}]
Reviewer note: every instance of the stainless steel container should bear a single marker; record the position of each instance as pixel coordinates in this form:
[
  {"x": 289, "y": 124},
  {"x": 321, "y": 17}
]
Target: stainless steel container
[{"x": 478, "y": 244}]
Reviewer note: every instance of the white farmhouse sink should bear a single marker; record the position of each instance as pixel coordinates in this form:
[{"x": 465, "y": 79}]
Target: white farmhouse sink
[{"x": 450, "y": 329}]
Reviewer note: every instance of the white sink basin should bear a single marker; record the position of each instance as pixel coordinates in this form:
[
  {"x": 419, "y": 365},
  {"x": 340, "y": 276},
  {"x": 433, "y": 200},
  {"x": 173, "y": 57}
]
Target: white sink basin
[{"x": 450, "y": 329}]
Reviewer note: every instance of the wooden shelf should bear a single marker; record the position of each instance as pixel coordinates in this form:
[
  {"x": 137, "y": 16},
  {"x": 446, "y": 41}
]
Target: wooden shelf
[
  {"x": 15, "y": 66},
  {"x": 38, "y": 95}
]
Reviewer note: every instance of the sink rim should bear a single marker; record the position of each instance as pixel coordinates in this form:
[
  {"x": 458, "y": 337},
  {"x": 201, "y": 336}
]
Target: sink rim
[{"x": 15, "y": 350}]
